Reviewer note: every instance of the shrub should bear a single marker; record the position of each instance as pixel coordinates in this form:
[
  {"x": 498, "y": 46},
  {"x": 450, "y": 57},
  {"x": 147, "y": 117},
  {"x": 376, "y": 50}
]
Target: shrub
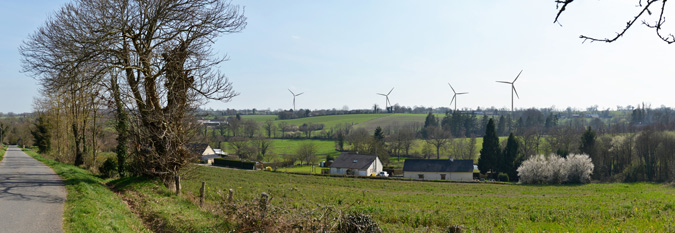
[
  {"x": 580, "y": 168},
  {"x": 554, "y": 169},
  {"x": 357, "y": 222},
  {"x": 109, "y": 167},
  {"x": 503, "y": 177}
]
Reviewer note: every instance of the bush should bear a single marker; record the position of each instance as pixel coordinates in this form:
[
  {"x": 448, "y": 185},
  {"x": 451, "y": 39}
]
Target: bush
[
  {"x": 580, "y": 168},
  {"x": 503, "y": 177},
  {"x": 358, "y": 222},
  {"x": 222, "y": 162},
  {"x": 540, "y": 169},
  {"x": 109, "y": 167}
]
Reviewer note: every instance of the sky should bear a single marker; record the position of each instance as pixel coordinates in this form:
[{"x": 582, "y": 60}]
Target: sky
[{"x": 341, "y": 53}]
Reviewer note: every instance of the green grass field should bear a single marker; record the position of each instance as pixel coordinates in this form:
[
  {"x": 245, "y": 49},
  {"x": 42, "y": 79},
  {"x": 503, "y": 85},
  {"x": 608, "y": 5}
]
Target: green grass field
[
  {"x": 392, "y": 120},
  {"x": 410, "y": 206},
  {"x": 90, "y": 205},
  {"x": 289, "y": 146},
  {"x": 259, "y": 118},
  {"x": 333, "y": 120}
]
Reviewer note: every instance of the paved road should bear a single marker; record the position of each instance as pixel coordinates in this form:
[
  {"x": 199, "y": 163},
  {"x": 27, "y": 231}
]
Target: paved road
[{"x": 31, "y": 195}]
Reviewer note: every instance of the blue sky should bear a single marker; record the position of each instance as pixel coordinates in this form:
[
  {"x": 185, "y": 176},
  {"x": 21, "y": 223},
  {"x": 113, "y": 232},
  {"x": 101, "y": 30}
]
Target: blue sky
[{"x": 341, "y": 53}]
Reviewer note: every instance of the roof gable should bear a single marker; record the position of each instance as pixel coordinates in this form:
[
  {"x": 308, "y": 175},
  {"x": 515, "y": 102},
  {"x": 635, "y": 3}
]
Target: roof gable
[
  {"x": 353, "y": 161},
  {"x": 437, "y": 165},
  {"x": 196, "y": 148}
]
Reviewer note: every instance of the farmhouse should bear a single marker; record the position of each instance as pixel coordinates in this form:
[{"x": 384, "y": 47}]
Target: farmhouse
[
  {"x": 203, "y": 152},
  {"x": 355, "y": 164},
  {"x": 438, "y": 169}
]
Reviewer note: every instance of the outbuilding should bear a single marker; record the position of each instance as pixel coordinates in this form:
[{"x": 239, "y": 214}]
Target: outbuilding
[
  {"x": 356, "y": 164},
  {"x": 203, "y": 152},
  {"x": 438, "y": 169}
]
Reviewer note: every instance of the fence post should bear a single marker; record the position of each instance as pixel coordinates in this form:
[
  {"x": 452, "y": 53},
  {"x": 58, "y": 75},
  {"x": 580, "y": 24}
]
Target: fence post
[
  {"x": 201, "y": 194},
  {"x": 177, "y": 183},
  {"x": 230, "y": 196},
  {"x": 263, "y": 205}
]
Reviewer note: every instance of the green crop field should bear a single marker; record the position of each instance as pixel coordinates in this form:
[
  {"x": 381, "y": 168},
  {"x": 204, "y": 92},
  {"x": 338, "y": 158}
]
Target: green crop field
[
  {"x": 290, "y": 146},
  {"x": 391, "y": 120},
  {"x": 259, "y": 118},
  {"x": 333, "y": 120},
  {"x": 409, "y": 206}
]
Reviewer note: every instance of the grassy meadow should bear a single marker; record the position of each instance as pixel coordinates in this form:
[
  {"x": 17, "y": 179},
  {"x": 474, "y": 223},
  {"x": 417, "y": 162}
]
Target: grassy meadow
[{"x": 413, "y": 206}]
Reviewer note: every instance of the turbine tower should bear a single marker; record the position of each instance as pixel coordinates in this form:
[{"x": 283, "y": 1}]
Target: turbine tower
[
  {"x": 454, "y": 97},
  {"x": 386, "y": 103},
  {"x": 513, "y": 88},
  {"x": 294, "y": 95}
]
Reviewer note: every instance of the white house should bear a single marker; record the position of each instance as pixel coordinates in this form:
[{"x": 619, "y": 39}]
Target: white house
[
  {"x": 355, "y": 164},
  {"x": 438, "y": 169},
  {"x": 203, "y": 152}
]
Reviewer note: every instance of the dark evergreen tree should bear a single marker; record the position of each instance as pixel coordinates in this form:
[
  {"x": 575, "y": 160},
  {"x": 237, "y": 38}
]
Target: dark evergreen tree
[
  {"x": 483, "y": 124},
  {"x": 502, "y": 128},
  {"x": 42, "y": 134},
  {"x": 429, "y": 122},
  {"x": 588, "y": 142},
  {"x": 490, "y": 153},
  {"x": 378, "y": 135},
  {"x": 470, "y": 125},
  {"x": 512, "y": 158},
  {"x": 509, "y": 124}
]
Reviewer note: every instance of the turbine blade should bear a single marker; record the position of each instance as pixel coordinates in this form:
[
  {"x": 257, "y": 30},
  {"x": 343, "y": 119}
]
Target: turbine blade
[
  {"x": 453, "y": 99},
  {"x": 390, "y": 91},
  {"x": 504, "y": 82},
  {"x": 521, "y": 71},
  {"x": 453, "y": 89},
  {"x": 463, "y": 93},
  {"x": 381, "y": 94},
  {"x": 514, "y": 90},
  {"x": 291, "y": 92},
  {"x": 300, "y": 93}
]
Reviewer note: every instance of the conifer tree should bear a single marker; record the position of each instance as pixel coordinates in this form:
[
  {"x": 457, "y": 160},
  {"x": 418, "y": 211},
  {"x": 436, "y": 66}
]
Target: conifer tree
[
  {"x": 490, "y": 153},
  {"x": 512, "y": 159}
]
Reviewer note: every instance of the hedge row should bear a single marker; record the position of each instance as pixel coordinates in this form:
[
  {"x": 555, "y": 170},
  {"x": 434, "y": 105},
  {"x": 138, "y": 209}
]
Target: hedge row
[{"x": 233, "y": 163}]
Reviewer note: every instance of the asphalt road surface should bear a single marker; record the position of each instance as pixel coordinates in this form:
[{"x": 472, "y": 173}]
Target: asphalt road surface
[{"x": 31, "y": 195}]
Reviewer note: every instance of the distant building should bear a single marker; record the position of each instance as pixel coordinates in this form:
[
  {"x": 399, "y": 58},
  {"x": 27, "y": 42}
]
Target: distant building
[
  {"x": 438, "y": 169},
  {"x": 355, "y": 164},
  {"x": 211, "y": 122},
  {"x": 203, "y": 152},
  {"x": 220, "y": 152}
]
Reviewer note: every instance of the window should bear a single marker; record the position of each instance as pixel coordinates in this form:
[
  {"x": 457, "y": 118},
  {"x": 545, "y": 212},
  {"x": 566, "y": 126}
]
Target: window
[
  {"x": 421, "y": 176},
  {"x": 442, "y": 176}
]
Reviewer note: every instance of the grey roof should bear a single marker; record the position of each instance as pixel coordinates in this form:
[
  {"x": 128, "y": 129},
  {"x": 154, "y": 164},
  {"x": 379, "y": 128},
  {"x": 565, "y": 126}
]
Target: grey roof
[
  {"x": 437, "y": 165},
  {"x": 353, "y": 161}
]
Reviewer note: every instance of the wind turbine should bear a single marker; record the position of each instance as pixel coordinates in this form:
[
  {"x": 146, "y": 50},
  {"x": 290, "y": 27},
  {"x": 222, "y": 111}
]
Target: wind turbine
[
  {"x": 454, "y": 97},
  {"x": 513, "y": 88},
  {"x": 387, "y": 103},
  {"x": 294, "y": 95}
]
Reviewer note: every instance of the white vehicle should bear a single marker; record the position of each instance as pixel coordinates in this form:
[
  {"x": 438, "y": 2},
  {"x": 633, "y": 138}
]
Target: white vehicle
[{"x": 383, "y": 174}]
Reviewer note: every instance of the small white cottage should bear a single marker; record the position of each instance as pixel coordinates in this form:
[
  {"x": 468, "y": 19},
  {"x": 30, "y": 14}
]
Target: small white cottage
[
  {"x": 438, "y": 169},
  {"x": 355, "y": 164}
]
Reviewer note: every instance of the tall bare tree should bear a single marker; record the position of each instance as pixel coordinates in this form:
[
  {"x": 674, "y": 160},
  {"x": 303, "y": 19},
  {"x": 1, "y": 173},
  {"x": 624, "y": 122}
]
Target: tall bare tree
[{"x": 162, "y": 47}]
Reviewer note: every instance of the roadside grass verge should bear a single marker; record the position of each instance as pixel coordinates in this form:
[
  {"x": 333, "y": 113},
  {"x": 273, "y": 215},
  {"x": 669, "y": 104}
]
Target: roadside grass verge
[
  {"x": 90, "y": 206},
  {"x": 163, "y": 211},
  {"x": 3, "y": 148}
]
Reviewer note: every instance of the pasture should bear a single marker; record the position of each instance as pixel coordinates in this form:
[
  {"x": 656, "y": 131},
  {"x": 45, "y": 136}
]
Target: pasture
[{"x": 409, "y": 206}]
